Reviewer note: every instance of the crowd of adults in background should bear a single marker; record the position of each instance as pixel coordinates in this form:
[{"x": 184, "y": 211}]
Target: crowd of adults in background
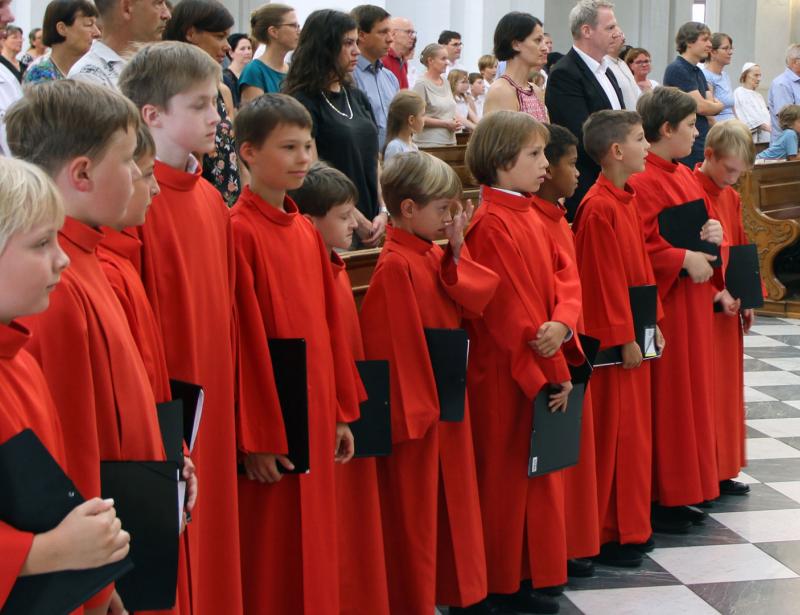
[{"x": 348, "y": 70}]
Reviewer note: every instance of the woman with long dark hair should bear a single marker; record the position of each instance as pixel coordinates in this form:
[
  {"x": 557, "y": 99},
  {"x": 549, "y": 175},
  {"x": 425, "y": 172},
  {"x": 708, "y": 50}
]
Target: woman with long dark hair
[
  {"x": 207, "y": 24},
  {"x": 346, "y": 136}
]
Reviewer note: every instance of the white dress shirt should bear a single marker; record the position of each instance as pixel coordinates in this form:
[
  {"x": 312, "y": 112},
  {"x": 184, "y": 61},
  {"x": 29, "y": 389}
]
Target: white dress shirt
[
  {"x": 100, "y": 65},
  {"x": 10, "y": 92},
  {"x": 598, "y": 69},
  {"x": 626, "y": 82}
]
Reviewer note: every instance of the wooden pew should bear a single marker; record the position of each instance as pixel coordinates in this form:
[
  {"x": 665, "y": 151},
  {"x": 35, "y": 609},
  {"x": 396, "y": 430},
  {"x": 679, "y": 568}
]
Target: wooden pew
[
  {"x": 454, "y": 156},
  {"x": 360, "y": 265},
  {"x": 771, "y": 215}
]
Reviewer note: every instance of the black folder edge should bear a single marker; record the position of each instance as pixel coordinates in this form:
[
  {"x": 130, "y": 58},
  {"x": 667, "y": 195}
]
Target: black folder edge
[
  {"x": 700, "y": 245},
  {"x": 380, "y": 421},
  {"x": 193, "y": 398},
  {"x": 749, "y": 253},
  {"x": 449, "y": 354},
  {"x": 613, "y": 355}
]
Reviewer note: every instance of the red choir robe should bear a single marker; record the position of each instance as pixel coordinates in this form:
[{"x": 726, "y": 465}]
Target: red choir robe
[
  {"x": 612, "y": 257},
  {"x": 27, "y": 404},
  {"x": 94, "y": 370},
  {"x": 684, "y": 448},
  {"x": 187, "y": 268},
  {"x": 363, "y": 587},
  {"x": 728, "y": 344},
  {"x": 523, "y": 519},
  {"x": 119, "y": 254},
  {"x": 428, "y": 485},
  {"x": 285, "y": 289},
  {"x": 580, "y": 481}
]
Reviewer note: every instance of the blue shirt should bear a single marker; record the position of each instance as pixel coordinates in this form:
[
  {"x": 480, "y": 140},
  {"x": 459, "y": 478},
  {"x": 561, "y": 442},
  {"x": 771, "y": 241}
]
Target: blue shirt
[
  {"x": 380, "y": 85},
  {"x": 259, "y": 75},
  {"x": 722, "y": 92},
  {"x": 687, "y": 77},
  {"x": 784, "y": 90},
  {"x": 784, "y": 146}
]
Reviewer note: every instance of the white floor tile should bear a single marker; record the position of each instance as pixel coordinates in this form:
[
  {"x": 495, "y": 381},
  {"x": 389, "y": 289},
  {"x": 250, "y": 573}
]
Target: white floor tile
[
  {"x": 791, "y": 489},
  {"x": 789, "y": 363},
  {"x": 746, "y": 479},
  {"x": 720, "y": 564},
  {"x": 785, "y": 329},
  {"x": 764, "y": 379},
  {"x": 763, "y": 525},
  {"x": 776, "y": 428},
  {"x": 666, "y": 600},
  {"x": 747, "y": 357},
  {"x": 753, "y": 395},
  {"x": 768, "y": 448},
  {"x": 793, "y": 404},
  {"x": 760, "y": 341},
  {"x": 791, "y": 321}
]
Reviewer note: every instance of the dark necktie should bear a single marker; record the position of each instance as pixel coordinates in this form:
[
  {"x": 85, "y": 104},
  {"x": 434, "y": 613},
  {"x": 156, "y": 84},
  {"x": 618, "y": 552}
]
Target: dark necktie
[{"x": 615, "y": 85}]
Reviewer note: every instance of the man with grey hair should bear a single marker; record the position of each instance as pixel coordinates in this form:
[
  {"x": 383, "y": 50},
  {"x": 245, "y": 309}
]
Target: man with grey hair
[
  {"x": 785, "y": 88},
  {"x": 404, "y": 39},
  {"x": 582, "y": 82}
]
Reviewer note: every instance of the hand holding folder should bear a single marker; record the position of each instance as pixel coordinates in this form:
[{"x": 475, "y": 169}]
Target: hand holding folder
[
  {"x": 682, "y": 226},
  {"x": 743, "y": 276}
]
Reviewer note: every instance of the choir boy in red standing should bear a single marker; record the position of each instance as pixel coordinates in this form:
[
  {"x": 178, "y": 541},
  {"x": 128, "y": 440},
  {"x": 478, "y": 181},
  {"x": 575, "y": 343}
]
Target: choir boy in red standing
[
  {"x": 580, "y": 482},
  {"x": 521, "y": 345},
  {"x": 285, "y": 289},
  {"x": 119, "y": 256},
  {"x": 31, "y": 263},
  {"x": 729, "y": 153},
  {"x": 612, "y": 258},
  {"x": 327, "y": 199},
  {"x": 429, "y": 496},
  {"x": 84, "y": 137},
  {"x": 684, "y": 445},
  {"x": 187, "y": 268}
]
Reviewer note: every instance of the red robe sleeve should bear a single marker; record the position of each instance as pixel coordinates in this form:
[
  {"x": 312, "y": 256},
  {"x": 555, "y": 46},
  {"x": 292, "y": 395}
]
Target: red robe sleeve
[
  {"x": 259, "y": 424},
  {"x": 607, "y": 310},
  {"x": 468, "y": 283},
  {"x": 568, "y": 288},
  {"x": 516, "y": 312},
  {"x": 15, "y": 546},
  {"x": 392, "y": 328}
]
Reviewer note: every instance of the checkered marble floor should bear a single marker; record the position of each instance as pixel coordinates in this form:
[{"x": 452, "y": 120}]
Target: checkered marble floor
[{"x": 746, "y": 558}]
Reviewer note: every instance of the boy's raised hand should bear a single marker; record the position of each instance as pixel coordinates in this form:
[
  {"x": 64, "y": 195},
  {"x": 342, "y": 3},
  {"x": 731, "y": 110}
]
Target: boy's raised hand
[
  {"x": 263, "y": 467},
  {"x": 455, "y": 230},
  {"x": 345, "y": 446},
  {"x": 549, "y": 338},
  {"x": 711, "y": 231},
  {"x": 559, "y": 397},
  {"x": 631, "y": 355},
  {"x": 698, "y": 267}
]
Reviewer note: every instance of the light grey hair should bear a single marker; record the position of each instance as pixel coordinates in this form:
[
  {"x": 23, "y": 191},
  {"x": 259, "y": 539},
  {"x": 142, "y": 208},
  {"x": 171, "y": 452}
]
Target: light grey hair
[
  {"x": 792, "y": 53},
  {"x": 584, "y": 13}
]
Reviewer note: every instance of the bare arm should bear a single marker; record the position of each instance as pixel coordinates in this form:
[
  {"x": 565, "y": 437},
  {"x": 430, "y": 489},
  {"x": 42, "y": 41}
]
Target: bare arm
[
  {"x": 250, "y": 92},
  {"x": 501, "y": 97},
  {"x": 707, "y": 105}
]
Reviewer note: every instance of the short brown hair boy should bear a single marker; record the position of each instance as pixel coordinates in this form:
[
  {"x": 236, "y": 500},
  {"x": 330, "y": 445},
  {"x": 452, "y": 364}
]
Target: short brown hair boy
[
  {"x": 323, "y": 189},
  {"x": 48, "y": 127},
  {"x": 604, "y": 128},
  {"x": 663, "y": 105},
  {"x": 420, "y": 177},
  {"x": 788, "y": 115},
  {"x": 497, "y": 142}
]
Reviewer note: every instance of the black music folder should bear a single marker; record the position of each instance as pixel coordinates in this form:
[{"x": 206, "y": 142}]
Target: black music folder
[
  {"x": 743, "y": 276},
  {"x": 556, "y": 436},
  {"x": 146, "y": 498},
  {"x": 449, "y": 350},
  {"x": 644, "y": 308},
  {"x": 37, "y": 495},
  {"x": 681, "y": 226},
  {"x": 372, "y": 432},
  {"x": 291, "y": 381},
  {"x": 170, "y": 420},
  {"x": 193, "y": 397}
]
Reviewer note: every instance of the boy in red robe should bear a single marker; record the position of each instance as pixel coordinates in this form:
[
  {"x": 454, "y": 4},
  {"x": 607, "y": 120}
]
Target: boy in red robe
[
  {"x": 119, "y": 255},
  {"x": 729, "y": 153},
  {"x": 187, "y": 268},
  {"x": 31, "y": 263},
  {"x": 580, "y": 482},
  {"x": 684, "y": 444},
  {"x": 516, "y": 351},
  {"x": 612, "y": 258},
  {"x": 84, "y": 137},
  {"x": 285, "y": 289},
  {"x": 428, "y": 485},
  {"x": 327, "y": 199}
]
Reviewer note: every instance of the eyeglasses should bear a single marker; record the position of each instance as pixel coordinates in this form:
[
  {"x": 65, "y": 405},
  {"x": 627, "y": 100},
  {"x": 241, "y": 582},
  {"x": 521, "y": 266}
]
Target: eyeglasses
[
  {"x": 409, "y": 32},
  {"x": 455, "y": 44},
  {"x": 294, "y": 25},
  {"x": 726, "y": 49},
  {"x": 640, "y": 62}
]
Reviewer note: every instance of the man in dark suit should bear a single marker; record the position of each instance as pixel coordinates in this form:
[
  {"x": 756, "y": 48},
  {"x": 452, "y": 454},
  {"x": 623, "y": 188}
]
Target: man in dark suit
[{"x": 582, "y": 82}]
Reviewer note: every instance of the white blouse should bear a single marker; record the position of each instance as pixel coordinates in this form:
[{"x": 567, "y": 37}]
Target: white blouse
[{"x": 751, "y": 108}]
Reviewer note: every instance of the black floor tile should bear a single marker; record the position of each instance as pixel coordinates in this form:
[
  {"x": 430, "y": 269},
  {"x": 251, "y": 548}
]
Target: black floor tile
[
  {"x": 773, "y": 352},
  {"x": 567, "y": 608},
  {"x": 792, "y": 340},
  {"x": 761, "y": 497},
  {"x": 755, "y": 365},
  {"x": 774, "y": 470},
  {"x": 787, "y": 553},
  {"x": 773, "y": 597},
  {"x": 794, "y": 442},
  {"x": 754, "y": 433},
  {"x": 786, "y": 392},
  {"x": 649, "y": 574},
  {"x": 711, "y": 532},
  {"x": 770, "y": 410}
]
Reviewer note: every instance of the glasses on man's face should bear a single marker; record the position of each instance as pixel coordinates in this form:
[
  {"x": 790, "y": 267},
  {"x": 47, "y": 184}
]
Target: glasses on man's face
[
  {"x": 454, "y": 44},
  {"x": 294, "y": 25},
  {"x": 411, "y": 33}
]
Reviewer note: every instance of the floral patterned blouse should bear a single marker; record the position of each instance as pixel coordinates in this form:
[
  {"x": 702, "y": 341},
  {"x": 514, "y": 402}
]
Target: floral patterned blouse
[
  {"x": 221, "y": 167},
  {"x": 44, "y": 70}
]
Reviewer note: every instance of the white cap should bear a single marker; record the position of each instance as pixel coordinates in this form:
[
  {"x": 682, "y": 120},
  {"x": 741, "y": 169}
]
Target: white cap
[{"x": 746, "y": 67}]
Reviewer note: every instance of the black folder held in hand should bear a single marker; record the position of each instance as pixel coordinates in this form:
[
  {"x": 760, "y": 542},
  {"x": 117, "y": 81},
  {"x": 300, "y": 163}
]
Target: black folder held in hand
[
  {"x": 448, "y": 350},
  {"x": 192, "y": 397},
  {"x": 556, "y": 436},
  {"x": 170, "y": 420},
  {"x": 37, "y": 495},
  {"x": 681, "y": 226},
  {"x": 644, "y": 308},
  {"x": 372, "y": 432},
  {"x": 146, "y": 499},
  {"x": 743, "y": 276},
  {"x": 291, "y": 381}
]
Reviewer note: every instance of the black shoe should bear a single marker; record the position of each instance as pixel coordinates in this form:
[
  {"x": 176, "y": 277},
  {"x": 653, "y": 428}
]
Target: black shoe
[
  {"x": 615, "y": 554},
  {"x": 553, "y": 590},
  {"x": 733, "y": 487},
  {"x": 524, "y": 601},
  {"x": 693, "y": 514},
  {"x": 669, "y": 520},
  {"x": 580, "y": 568},
  {"x": 644, "y": 547},
  {"x": 484, "y": 607}
]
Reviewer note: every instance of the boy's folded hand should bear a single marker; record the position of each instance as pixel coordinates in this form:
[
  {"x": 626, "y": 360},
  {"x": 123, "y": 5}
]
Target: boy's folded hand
[
  {"x": 549, "y": 338},
  {"x": 263, "y": 467},
  {"x": 631, "y": 355}
]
